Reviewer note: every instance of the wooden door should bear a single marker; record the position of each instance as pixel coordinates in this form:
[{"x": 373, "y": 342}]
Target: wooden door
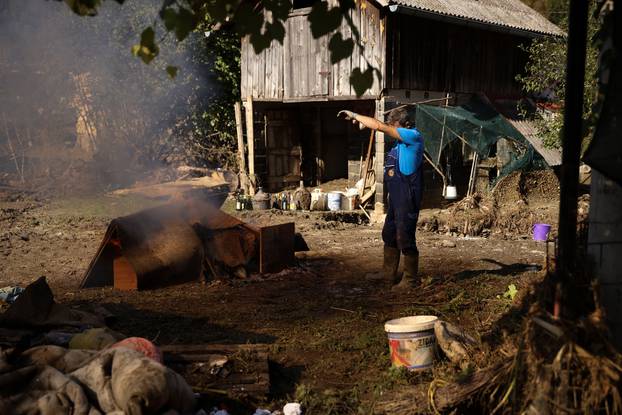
[{"x": 283, "y": 150}]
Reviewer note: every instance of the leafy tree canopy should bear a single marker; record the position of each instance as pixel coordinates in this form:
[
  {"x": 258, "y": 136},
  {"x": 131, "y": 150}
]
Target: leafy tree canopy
[
  {"x": 262, "y": 21},
  {"x": 545, "y": 72}
]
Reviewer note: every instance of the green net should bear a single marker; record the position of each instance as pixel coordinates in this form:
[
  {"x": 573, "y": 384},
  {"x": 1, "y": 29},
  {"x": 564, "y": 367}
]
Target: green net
[{"x": 479, "y": 126}]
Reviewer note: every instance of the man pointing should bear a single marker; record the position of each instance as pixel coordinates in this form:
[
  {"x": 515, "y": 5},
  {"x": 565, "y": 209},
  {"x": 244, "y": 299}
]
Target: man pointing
[{"x": 403, "y": 171}]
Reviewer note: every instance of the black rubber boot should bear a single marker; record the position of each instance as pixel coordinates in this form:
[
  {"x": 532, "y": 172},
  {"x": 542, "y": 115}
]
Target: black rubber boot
[
  {"x": 391, "y": 264},
  {"x": 409, "y": 277}
]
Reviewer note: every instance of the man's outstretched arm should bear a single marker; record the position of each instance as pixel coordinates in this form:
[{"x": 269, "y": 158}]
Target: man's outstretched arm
[{"x": 371, "y": 123}]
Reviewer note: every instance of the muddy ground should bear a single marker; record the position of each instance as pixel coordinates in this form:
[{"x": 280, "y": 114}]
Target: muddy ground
[{"x": 322, "y": 319}]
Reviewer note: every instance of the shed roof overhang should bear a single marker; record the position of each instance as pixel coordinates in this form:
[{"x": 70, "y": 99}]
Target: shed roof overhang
[{"x": 506, "y": 16}]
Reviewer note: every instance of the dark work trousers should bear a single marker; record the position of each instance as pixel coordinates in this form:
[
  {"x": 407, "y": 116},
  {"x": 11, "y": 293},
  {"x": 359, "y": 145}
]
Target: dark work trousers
[{"x": 404, "y": 203}]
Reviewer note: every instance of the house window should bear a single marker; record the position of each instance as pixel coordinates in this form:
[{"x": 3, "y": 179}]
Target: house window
[{"x": 301, "y": 4}]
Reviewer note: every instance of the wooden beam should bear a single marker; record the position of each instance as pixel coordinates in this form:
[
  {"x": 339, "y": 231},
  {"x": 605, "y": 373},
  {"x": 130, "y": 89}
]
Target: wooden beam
[
  {"x": 250, "y": 137},
  {"x": 241, "y": 153}
]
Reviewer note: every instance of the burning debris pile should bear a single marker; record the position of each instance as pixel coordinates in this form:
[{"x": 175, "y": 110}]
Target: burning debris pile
[{"x": 186, "y": 241}]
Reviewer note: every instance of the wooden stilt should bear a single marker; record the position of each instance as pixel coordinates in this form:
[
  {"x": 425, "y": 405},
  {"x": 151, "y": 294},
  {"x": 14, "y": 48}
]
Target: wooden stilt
[
  {"x": 241, "y": 151},
  {"x": 250, "y": 138}
]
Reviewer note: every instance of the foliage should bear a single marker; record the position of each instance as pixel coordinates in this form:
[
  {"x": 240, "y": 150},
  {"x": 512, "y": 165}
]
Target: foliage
[
  {"x": 546, "y": 73},
  {"x": 511, "y": 292},
  {"x": 214, "y": 127},
  {"x": 80, "y": 94},
  {"x": 261, "y": 22}
]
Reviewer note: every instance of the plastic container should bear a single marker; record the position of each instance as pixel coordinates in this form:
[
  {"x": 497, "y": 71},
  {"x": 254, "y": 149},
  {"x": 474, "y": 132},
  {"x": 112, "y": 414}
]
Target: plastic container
[
  {"x": 451, "y": 193},
  {"x": 319, "y": 200},
  {"x": 412, "y": 341},
  {"x": 541, "y": 231},
  {"x": 334, "y": 200},
  {"x": 261, "y": 200}
]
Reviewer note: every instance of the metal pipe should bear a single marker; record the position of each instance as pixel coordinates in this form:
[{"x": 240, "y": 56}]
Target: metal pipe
[{"x": 572, "y": 135}]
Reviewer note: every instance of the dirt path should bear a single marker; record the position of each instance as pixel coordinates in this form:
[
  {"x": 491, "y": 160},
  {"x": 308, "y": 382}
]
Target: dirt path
[{"x": 323, "y": 319}]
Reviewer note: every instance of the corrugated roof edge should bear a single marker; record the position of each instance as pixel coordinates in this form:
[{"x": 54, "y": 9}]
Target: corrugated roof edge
[
  {"x": 403, "y": 5},
  {"x": 527, "y": 128}
]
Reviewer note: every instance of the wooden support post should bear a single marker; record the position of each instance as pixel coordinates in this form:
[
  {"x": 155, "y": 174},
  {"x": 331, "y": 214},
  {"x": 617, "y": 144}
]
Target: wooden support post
[
  {"x": 241, "y": 153},
  {"x": 571, "y": 142},
  {"x": 250, "y": 137},
  {"x": 473, "y": 175},
  {"x": 380, "y": 154}
]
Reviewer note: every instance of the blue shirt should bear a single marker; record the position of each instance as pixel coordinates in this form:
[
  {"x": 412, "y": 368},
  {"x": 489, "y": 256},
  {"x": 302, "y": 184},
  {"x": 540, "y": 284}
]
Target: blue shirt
[{"x": 410, "y": 150}]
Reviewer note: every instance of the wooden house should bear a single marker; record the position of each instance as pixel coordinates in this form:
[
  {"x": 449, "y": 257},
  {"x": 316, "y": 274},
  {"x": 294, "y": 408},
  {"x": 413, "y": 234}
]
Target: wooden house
[{"x": 424, "y": 49}]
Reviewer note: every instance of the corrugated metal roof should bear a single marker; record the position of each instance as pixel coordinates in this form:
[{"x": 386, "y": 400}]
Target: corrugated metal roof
[
  {"x": 553, "y": 157},
  {"x": 504, "y": 13}
]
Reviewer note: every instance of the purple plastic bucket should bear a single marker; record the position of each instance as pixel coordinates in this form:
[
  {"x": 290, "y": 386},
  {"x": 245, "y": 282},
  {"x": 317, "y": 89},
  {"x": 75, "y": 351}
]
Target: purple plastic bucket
[{"x": 541, "y": 231}]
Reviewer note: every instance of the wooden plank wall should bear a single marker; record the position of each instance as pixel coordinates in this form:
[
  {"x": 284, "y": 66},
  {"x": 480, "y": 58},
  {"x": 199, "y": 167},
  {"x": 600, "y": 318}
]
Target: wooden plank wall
[
  {"x": 432, "y": 55},
  {"x": 301, "y": 68}
]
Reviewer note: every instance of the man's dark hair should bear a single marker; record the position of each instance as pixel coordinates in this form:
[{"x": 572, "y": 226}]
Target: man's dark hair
[{"x": 401, "y": 116}]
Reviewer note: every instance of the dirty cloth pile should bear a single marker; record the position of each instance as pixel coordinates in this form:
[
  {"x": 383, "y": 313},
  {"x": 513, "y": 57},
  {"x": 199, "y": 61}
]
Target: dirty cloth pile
[
  {"x": 39, "y": 376},
  {"x": 53, "y": 380}
]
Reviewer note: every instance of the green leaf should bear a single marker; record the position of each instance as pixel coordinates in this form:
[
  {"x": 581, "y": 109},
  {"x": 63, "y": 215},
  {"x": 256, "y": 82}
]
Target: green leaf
[
  {"x": 511, "y": 292},
  {"x": 186, "y": 23},
  {"x": 322, "y": 20},
  {"x": 172, "y": 71},
  {"x": 361, "y": 81},
  {"x": 182, "y": 21},
  {"x": 276, "y": 31},
  {"x": 147, "y": 50},
  {"x": 169, "y": 17},
  {"x": 346, "y": 5},
  {"x": 280, "y": 8},
  {"x": 339, "y": 48},
  {"x": 84, "y": 7}
]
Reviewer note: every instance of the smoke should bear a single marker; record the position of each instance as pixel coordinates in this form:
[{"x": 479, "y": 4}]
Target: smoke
[{"x": 77, "y": 110}]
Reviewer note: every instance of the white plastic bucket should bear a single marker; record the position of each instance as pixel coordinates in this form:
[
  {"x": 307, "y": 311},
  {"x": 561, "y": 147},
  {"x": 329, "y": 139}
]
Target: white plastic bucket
[
  {"x": 334, "y": 200},
  {"x": 412, "y": 341},
  {"x": 451, "y": 192},
  {"x": 319, "y": 200}
]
